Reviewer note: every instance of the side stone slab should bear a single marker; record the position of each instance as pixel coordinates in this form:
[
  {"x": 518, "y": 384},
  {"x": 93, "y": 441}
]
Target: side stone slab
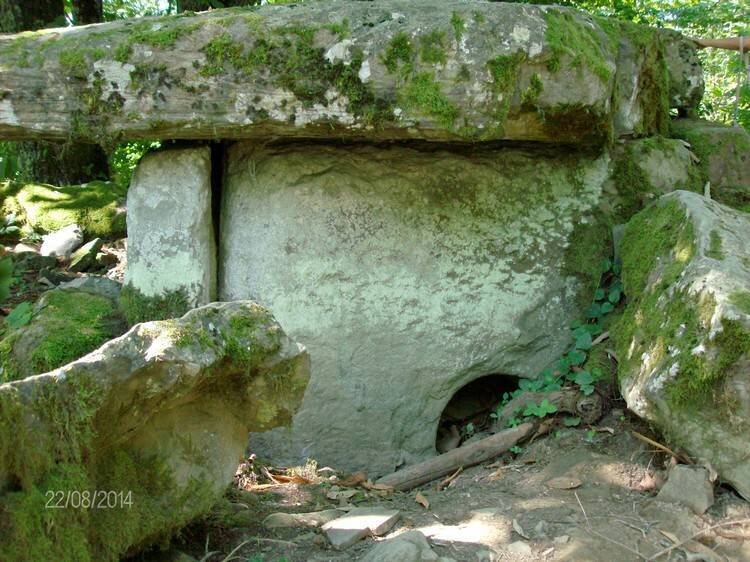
[
  {"x": 407, "y": 275},
  {"x": 171, "y": 247}
]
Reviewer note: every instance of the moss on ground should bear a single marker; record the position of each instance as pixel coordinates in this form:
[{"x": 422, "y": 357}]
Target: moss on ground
[
  {"x": 432, "y": 47},
  {"x": 459, "y": 26},
  {"x": 399, "y": 54},
  {"x": 95, "y": 206},
  {"x": 137, "y": 307},
  {"x": 68, "y": 325}
]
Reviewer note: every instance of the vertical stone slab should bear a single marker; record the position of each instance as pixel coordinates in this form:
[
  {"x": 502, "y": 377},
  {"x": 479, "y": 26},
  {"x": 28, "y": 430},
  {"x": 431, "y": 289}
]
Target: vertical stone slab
[
  {"x": 171, "y": 246},
  {"x": 406, "y": 274}
]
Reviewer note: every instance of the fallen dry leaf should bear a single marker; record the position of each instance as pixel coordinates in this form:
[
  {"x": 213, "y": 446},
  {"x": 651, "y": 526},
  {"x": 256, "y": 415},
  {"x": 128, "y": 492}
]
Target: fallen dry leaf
[
  {"x": 421, "y": 500},
  {"x": 353, "y": 480},
  {"x": 370, "y": 485},
  {"x": 671, "y": 536},
  {"x": 563, "y": 483}
]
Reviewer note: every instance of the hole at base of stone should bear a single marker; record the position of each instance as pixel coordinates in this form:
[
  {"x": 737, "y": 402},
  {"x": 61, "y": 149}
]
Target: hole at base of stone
[{"x": 466, "y": 417}]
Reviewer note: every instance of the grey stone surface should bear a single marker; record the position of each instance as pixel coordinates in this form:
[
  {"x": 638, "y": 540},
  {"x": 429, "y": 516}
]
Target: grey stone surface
[
  {"x": 176, "y": 392},
  {"x": 96, "y": 284},
  {"x": 85, "y": 256},
  {"x": 689, "y": 486},
  {"x": 63, "y": 242},
  {"x": 312, "y": 519},
  {"x": 411, "y": 546},
  {"x": 683, "y": 342},
  {"x": 686, "y": 84},
  {"x": 170, "y": 229},
  {"x": 358, "y": 523},
  {"x": 400, "y": 70},
  {"x": 407, "y": 275}
]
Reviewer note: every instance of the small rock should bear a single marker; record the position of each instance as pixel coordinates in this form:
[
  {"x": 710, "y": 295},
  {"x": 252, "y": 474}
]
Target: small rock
[
  {"x": 359, "y": 523},
  {"x": 22, "y": 248},
  {"x": 689, "y": 486},
  {"x": 562, "y": 539},
  {"x": 85, "y": 256},
  {"x": 62, "y": 242},
  {"x": 520, "y": 548},
  {"x": 313, "y": 519},
  {"x": 540, "y": 529},
  {"x": 96, "y": 284},
  {"x": 32, "y": 260},
  {"x": 105, "y": 259},
  {"x": 411, "y": 546}
]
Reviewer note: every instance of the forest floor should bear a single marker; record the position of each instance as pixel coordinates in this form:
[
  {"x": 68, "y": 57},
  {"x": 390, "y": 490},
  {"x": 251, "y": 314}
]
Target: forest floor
[{"x": 575, "y": 494}]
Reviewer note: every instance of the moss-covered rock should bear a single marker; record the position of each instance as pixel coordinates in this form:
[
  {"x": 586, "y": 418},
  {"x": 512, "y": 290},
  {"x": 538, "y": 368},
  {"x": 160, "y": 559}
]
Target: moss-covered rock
[
  {"x": 153, "y": 421},
  {"x": 683, "y": 341},
  {"x": 645, "y": 169},
  {"x": 724, "y": 158},
  {"x": 430, "y": 71},
  {"x": 65, "y": 326},
  {"x": 98, "y": 207}
]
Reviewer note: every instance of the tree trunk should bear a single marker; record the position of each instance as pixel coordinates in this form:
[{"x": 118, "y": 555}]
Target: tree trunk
[
  {"x": 57, "y": 163},
  {"x": 87, "y": 11}
]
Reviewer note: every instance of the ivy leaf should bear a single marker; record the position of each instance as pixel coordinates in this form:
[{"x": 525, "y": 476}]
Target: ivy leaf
[
  {"x": 584, "y": 341},
  {"x": 587, "y": 389},
  {"x": 19, "y": 316},
  {"x": 606, "y": 265},
  {"x": 572, "y": 422},
  {"x": 594, "y": 329},
  {"x": 575, "y": 324},
  {"x": 576, "y": 357},
  {"x": 580, "y": 331},
  {"x": 599, "y": 294},
  {"x": 594, "y": 311},
  {"x": 607, "y": 307},
  {"x": 540, "y": 410},
  {"x": 614, "y": 296},
  {"x": 583, "y": 378}
]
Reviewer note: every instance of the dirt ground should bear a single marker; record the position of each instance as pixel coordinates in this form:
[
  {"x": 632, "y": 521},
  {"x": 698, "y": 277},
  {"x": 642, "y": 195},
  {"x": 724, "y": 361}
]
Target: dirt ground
[{"x": 509, "y": 509}]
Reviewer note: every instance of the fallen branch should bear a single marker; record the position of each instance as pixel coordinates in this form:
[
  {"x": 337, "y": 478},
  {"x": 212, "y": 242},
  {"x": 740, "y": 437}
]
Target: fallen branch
[
  {"x": 696, "y": 535},
  {"x": 465, "y": 456}
]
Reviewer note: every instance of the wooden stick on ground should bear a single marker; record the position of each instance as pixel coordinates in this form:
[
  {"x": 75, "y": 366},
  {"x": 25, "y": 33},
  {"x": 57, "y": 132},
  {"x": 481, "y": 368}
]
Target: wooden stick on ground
[{"x": 465, "y": 456}]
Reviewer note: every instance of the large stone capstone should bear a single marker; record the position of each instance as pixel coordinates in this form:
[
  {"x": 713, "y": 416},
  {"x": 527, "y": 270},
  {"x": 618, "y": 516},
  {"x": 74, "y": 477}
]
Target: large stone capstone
[
  {"x": 393, "y": 69},
  {"x": 407, "y": 274},
  {"x": 683, "y": 341},
  {"x": 155, "y": 421}
]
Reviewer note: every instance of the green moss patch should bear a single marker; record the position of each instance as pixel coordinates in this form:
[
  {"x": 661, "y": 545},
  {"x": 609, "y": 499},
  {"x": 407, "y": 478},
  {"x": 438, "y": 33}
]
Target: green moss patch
[
  {"x": 714, "y": 247},
  {"x": 67, "y": 326},
  {"x": 423, "y": 95},
  {"x": 137, "y": 307},
  {"x": 96, "y": 206},
  {"x": 741, "y": 299},
  {"x": 568, "y": 37}
]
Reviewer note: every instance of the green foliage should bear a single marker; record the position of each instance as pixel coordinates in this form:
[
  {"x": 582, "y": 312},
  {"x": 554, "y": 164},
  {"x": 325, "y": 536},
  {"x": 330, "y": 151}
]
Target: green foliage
[
  {"x": 432, "y": 47},
  {"x": 423, "y": 94},
  {"x": 458, "y": 24},
  {"x": 20, "y": 315},
  {"x": 399, "y": 52},
  {"x": 137, "y": 307},
  {"x": 541, "y": 410},
  {"x": 9, "y": 226},
  {"x": 125, "y": 157},
  {"x": 9, "y": 169},
  {"x": 566, "y": 36},
  {"x": 6, "y": 277}
]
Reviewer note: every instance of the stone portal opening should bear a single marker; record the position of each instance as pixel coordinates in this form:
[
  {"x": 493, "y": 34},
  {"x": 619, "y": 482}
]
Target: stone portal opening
[{"x": 468, "y": 413}]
